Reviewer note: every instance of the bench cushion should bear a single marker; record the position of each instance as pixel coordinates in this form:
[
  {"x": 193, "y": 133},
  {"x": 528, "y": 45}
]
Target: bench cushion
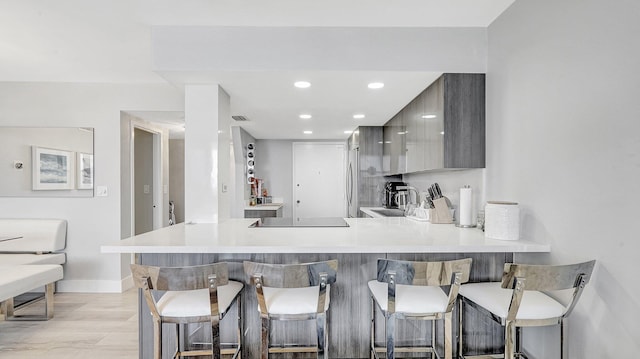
[
  {"x": 38, "y": 235},
  {"x": 30, "y": 258},
  {"x": 18, "y": 279}
]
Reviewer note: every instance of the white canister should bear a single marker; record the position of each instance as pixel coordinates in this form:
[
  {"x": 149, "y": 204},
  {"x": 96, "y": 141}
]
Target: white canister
[{"x": 502, "y": 221}]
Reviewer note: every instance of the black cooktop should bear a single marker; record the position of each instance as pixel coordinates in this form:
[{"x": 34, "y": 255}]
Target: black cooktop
[{"x": 300, "y": 222}]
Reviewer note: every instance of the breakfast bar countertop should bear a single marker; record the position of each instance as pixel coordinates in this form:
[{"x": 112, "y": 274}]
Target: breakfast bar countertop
[{"x": 364, "y": 235}]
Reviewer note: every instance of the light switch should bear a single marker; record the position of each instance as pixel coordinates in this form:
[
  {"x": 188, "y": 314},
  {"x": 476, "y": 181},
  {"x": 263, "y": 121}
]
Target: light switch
[
  {"x": 101, "y": 191},
  {"x": 146, "y": 189},
  {"x": 165, "y": 189},
  {"x": 224, "y": 188}
]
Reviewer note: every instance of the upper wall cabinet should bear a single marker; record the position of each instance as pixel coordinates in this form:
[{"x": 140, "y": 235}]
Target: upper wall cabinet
[{"x": 443, "y": 127}]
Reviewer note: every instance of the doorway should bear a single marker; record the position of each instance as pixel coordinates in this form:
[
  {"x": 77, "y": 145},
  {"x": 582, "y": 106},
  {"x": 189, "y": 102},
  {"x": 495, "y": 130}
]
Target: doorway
[{"x": 319, "y": 179}]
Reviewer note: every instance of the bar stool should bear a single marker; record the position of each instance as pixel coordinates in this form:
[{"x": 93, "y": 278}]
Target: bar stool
[
  {"x": 293, "y": 292},
  {"x": 412, "y": 290},
  {"x": 519, "y": 300},
  {"x": 195, "y": 294}
]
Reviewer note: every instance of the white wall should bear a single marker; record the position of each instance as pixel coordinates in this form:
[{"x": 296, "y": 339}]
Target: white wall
[
  {"x": 563, "y": 140},
  {"x": 207, "y": 158},
  {"x": 92, "y": 221},
  {"x": 274, "y": 164}
]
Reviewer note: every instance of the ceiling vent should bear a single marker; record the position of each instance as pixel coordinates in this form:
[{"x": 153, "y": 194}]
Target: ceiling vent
[{"x": 239, "y": 118}]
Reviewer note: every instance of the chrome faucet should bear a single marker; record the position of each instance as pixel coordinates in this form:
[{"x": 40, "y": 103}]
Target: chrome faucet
[{"x": 411, "y": 206}]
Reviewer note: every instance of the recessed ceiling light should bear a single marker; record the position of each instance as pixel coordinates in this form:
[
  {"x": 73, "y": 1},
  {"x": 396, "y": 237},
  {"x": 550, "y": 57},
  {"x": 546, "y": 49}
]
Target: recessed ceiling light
[
  {"x": 348, "y": 132},
  {"x": 428, "y": 116},
  {"x": 442, "y": 133},
  {"x": 302, "y": 84},
  {"x": 305, "y": 116},
  {"x": 308, "y": 132},
  {"x": 358, "y": 116},
  {"x": 375, "y": 85}
]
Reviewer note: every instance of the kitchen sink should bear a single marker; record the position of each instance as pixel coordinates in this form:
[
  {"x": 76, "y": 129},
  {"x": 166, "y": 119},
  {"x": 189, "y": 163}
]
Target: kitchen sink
[{"x": 389, "y": 212}]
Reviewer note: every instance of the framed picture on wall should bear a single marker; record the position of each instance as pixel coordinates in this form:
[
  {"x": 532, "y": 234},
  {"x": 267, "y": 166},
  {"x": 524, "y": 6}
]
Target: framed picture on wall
[
  {"x": 52, "y": 169},
  {"x": 85, "y": 171}
]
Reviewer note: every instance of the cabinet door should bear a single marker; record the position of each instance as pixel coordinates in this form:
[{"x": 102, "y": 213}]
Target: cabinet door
[
  {"x": 464, "y": 110},
  {"x": 397, "y": 158},
  {"x": 433, "y": 135},
  {"x": 414, "y": 133},
  {"x": 386, "y": 148}
]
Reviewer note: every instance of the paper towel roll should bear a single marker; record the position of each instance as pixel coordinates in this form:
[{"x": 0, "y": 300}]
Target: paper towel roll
[
  {"x": 502, "y": 220},
  {"x": 465, "y": 206}
]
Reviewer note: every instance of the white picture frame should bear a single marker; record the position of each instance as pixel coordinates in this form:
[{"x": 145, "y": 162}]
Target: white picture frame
[
  {"x": 52, "y": 169},
  {"x": 84, "y": 173}
]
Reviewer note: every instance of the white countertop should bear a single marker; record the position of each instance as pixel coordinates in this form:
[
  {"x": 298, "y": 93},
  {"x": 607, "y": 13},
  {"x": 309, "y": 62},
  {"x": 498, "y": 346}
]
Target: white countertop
[
  {"x": 264, "y": 207},
  {"x": 365, "y": 235}
]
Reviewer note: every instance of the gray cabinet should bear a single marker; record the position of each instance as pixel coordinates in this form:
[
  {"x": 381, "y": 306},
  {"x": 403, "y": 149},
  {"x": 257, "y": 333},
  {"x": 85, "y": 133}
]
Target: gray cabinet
[
  {"x": 395, "y": 148},
  {"x": 443, "y": 127},
  {"x": 262, "y": 213}
]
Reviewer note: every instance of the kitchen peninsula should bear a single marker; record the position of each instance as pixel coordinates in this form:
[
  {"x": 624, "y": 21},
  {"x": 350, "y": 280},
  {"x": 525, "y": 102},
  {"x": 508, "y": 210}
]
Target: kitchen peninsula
[{"x": 357, "y": 248}]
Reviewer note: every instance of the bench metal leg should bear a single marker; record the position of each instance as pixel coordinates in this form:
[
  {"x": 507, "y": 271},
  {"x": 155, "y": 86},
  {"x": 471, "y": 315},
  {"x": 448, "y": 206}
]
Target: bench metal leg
[{"x": 8, "y": 310}]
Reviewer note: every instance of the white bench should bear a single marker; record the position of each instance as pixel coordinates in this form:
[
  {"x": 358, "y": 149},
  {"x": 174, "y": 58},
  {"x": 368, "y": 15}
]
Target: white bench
[
  {"x": 32, "y": 241},
  {"x": 19, "y": 279},
  {"x": 30, "y": 257}
]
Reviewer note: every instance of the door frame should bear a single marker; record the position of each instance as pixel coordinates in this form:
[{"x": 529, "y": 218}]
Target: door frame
[
  {"x": 345, "y": 159},
  {"x": 157, "y": 190}
]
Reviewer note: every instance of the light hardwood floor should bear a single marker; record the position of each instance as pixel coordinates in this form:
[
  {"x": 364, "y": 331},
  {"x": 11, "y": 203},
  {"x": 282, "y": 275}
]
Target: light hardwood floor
[{"x": 91, "y": 326}]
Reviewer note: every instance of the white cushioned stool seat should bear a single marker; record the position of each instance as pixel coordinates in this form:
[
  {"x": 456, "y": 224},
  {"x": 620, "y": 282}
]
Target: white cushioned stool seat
[
  {"x": 294, "y": 300},
  {"x": 18, "y": 279},
  {"x": 195, "y": 303},
  {"x": 411, "y": 299},
  {"x": 491, "y": 296}
]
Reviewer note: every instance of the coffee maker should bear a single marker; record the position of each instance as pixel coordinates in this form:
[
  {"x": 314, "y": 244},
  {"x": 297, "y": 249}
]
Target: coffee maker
[{"x": 390, "y": 191}]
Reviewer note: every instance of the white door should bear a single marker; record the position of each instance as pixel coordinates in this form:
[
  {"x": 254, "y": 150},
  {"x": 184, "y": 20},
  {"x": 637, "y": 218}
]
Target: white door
[{"x": 319, "y": 180}]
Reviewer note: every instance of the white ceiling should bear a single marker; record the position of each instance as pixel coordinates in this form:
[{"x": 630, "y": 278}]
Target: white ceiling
[{"x": 101, "y": 41}]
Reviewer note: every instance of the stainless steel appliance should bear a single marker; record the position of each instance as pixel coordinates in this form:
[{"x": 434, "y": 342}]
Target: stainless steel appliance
[
  {"x": 390, "y": 194},
  {"x": 365, "y": 179}
]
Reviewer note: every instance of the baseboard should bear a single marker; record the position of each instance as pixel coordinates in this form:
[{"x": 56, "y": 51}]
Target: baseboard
[{"x": 94, "y": 286}]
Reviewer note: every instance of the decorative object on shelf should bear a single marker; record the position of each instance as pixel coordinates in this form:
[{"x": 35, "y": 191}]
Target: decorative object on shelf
[
  {"x": 502, "y": 220},
  {"x": 251, "y": 161},
  {"x": 85, "y": 171},
  {"x": 52, "y": 169}
]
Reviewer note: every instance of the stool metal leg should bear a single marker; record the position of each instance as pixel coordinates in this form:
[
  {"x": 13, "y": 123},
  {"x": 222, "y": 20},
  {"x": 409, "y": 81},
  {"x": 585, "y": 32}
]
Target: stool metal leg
[
  {"x": 509, "y": 340},
  {"x": 564, "y": 335},
  {"x": 460, "y": 309},
  {"x": 391, "y": 333},
  {"x": 240, "y": 326},
  {"x": 157, "y": 339},
  {"x": 215, "y": 337},
  {"x": 372, "y": 344},
  {"x": 448, "y": 329},
  {"x": 265, "y": 339},
  {"x": 321, "y": 327}
]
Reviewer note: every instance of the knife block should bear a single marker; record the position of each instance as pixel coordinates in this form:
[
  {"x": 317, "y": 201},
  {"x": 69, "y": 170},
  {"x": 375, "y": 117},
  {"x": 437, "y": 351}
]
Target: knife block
[{"x": 441, "y": 213}]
